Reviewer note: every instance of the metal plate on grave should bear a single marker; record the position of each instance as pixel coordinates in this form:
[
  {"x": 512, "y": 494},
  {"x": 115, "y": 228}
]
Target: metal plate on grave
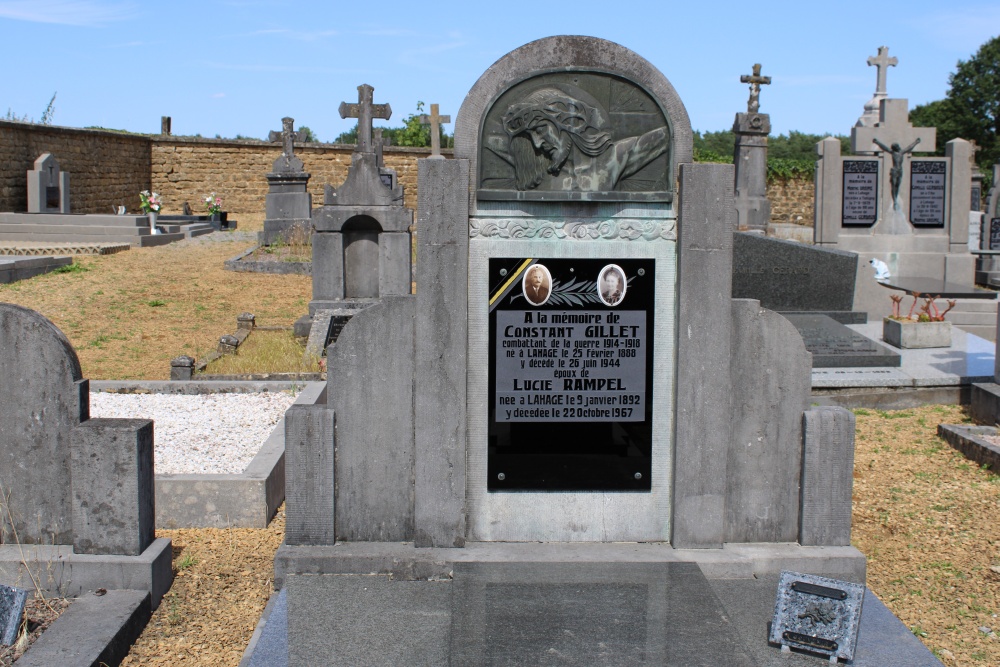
[
  {"x": 995, "y": 234},
  {"x": 817, "y": 614},
  {"x": 834, "y": 345},
  {"x": 576, "y": 135},
  {"x": 571, "y": 363},
  {"x": 927, "y": 192},
  {"x": 859, "y": 203}
]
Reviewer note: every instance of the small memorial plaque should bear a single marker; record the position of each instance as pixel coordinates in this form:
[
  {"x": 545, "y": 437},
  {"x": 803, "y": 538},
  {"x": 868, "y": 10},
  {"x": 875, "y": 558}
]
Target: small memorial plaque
[
  {"x": 817, "y": 614},
  {"x": 859, "y": 206},
  {"x": 571, "y": 364},
  {"x": 976, "y": 202},
  {"x": 927, "y": 190},
  {"x": 995, "y": 234},
  {"x": 12, "y": 601}
]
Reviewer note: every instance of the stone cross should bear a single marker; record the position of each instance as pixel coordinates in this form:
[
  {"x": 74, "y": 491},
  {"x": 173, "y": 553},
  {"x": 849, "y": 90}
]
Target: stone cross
[
  {"x": 882, "y": 62},
  {"x": 893, "y": 127},
  {"x": 287, "y": 136},
  {"x": 379, "y": 144},
  {"x": 755, "y": 80},
  {"x": 365, "y": 111},
  {"x": 434, "y": 120}
]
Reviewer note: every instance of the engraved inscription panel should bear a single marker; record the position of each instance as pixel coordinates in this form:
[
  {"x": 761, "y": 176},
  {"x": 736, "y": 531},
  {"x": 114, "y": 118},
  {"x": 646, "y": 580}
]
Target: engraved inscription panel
[
  {"x": 927, "y": 189},
  {"x": 576, "y": 136},
  {"x": 859, "y": 205}
]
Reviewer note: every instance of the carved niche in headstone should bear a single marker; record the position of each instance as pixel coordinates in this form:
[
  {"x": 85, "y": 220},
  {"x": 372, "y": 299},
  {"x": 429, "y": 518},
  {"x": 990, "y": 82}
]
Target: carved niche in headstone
[
  {"x": 48, "y": 186},
  {"x": 576, "y": 136}
]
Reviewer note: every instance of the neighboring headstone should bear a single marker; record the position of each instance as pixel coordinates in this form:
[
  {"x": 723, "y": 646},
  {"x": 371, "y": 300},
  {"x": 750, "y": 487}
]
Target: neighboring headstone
[
  {"x": 48, "y": 186},
  {"x": 817, "y": 614},
  {"x": 988, "y": 268},
  {"x": 753, "y": 210},
  {"x": 68, "y": 479},
  {"x": 12, "y": 601},
  {"x": 834, "y": 345},
  {"x": 882, "y": 62},
  {"x": 288, "y": 205},
  {"x": 434, "y": 120},
  {"x": 886, "y": 203},
  {"x": 165, "y": 125},
  {"x": 361, "y": 242}
]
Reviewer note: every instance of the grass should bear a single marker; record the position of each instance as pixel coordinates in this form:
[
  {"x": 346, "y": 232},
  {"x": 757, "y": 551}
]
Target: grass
[{"x": 265, "y": 352}]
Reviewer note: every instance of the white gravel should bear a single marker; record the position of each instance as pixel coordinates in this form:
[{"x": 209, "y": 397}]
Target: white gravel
[{"x": 200, "y": 434}]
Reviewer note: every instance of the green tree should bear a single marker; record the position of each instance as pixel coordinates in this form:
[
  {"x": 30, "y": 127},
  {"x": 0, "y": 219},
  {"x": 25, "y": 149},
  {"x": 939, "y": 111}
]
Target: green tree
[
  {"x": 413, "y": 133},
  {"x": 311, "y": 137},
  {"x": 971, "y": 108}
]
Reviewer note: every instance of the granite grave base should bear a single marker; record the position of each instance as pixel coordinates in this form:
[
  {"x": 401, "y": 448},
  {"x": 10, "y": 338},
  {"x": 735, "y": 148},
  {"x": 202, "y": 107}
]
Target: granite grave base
[{"x": 834, "y": 345}]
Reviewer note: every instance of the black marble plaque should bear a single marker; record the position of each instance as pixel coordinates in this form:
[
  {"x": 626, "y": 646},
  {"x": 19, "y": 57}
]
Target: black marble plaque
[
  {"x": 976, "y": 201},
  {"x": 927, "y": 192},
  {"x": 817, "y": 614},
  {"x": 788, "y": 276},
  {"x": 571, "y": 362},
  {"x": 576, "y": 135},
  {"x": 834, "y": 345},
  {"x": 995, "y": 234},
  {"x": 859, "y": 203}
]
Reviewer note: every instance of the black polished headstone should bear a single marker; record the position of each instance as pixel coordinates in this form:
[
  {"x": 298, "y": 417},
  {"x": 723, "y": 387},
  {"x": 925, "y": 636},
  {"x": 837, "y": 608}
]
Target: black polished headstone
[
  {"x": 608, "y": 614},
  {"x": 927, "y": 192},
  {"x": 994, "y": 234},
  {"x": 789, "y": 276},
  {"x": 834, "y": 345}
]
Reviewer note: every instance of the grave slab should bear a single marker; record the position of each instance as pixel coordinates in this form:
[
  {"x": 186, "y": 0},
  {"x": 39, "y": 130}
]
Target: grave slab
[{"x": 834, "y": 345}]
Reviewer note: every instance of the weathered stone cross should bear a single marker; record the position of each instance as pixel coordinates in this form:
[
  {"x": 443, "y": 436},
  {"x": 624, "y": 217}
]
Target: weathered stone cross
[
  {"x": 755, "y": 80},
  {"x": 882, "y": 62},
  {"x": 287, "y": 136},
  {"x": 434, "y": 120},
  {"x": 365, "y": 111}
]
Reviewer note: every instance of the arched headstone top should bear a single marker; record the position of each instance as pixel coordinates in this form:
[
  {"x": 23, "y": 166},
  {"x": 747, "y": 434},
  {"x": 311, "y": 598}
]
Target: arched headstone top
[
  {"x": 573, "y": 118},
  {"x": 28, "y": 337}
]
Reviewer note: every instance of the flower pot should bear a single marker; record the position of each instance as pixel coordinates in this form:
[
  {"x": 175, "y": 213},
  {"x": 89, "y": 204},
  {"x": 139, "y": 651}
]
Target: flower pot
[{"x": 910, "y": 334}]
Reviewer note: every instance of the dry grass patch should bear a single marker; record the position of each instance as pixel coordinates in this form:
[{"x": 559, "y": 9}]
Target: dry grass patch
[
  {"x": 265, "y": 352},
  {"x": 928, "y": 519},
  {"x": 130, "y": 313}
]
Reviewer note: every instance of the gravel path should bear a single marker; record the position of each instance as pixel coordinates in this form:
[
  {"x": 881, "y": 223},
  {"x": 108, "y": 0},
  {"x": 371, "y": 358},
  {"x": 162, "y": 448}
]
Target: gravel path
[{"x": 200, "y": 434}]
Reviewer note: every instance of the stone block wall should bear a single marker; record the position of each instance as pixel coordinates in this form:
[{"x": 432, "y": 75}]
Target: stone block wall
[
  {"x": 106, "y": 168},
  {"x": 791, "y": 201},
  {"x": 111, "y": 168},
  {"x": 188, "y": 169}
]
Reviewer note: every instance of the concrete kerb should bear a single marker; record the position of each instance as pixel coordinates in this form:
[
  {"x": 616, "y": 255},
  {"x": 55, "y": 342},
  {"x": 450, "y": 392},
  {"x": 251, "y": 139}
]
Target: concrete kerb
[
  {"x": 245, "y": 500},
  {"x": 971, "y": 441},
  {"x": 240, "y": 264}
]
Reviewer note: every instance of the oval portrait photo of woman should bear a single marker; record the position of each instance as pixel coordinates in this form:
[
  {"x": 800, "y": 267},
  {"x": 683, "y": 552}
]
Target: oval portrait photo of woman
[
  {"x": 537, "y": 284},
  {"x": 611, "y": 285}
]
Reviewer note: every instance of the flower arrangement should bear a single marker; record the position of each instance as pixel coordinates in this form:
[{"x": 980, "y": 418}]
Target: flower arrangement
[
  {"x": 929, "y": 312},
  {"x": 213, "y": 204},
  {"x": 150, "y": 202}
]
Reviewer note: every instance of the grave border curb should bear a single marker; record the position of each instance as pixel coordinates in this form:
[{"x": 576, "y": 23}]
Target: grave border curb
[
  {"x": 246, "y": 500},
  {"x": 966, "y": 439}
]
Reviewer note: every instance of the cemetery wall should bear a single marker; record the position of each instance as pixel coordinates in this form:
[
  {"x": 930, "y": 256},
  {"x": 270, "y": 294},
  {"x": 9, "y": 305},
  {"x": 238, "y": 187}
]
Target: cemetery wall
[
  {"x": 791, "y": 201},
  {"x": 106, "y": 168},
  {"x": 187, "y": 169}
]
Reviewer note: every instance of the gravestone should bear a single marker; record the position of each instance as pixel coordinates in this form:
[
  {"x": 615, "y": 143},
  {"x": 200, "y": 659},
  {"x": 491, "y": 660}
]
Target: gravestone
[
  {"x": 288, "y": 205},
  {"x": 82, "y": 485},
  {"x": 987, "y": 267},
  {"x": 575, "y": 267},
  {"x": 886, "y": 203},
  {"x": 435, "y": 120},
  {"x": 48, "y": 186},
  {"x": 753, "y": 210},
  {"x": 361, "y": 239}
]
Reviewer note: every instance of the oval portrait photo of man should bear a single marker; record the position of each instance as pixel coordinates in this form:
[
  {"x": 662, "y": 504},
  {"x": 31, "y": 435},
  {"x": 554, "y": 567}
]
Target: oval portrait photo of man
[
  {"x": 537, "y": 284},
  {"x": 611, "y": 285}
]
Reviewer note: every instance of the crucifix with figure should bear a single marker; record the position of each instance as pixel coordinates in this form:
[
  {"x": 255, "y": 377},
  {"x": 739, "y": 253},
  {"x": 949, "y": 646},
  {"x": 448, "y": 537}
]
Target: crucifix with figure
[
  {"x": 755, "y": 80},
  {"x": 434, "y": 120},
  {"x": 365, "y": 111}
]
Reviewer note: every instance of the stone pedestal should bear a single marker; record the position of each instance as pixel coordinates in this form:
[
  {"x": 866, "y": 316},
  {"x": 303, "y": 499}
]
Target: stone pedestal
[{"x": 753, "y": 210}]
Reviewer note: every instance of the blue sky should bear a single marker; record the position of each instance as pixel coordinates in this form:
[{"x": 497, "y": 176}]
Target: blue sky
[{"x": 231, "y": 67}]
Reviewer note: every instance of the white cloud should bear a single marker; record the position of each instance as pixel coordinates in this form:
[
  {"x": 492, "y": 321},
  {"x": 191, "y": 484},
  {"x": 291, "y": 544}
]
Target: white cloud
[
  {"x": 67, "y": 12},
  {"x": 218, "y": 95},
  {"x": 417, "y": 57},
  {"x": 298, "y": 35}
]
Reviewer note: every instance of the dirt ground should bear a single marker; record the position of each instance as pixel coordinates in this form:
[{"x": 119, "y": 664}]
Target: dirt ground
[{"x": 927, "y": 519}]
